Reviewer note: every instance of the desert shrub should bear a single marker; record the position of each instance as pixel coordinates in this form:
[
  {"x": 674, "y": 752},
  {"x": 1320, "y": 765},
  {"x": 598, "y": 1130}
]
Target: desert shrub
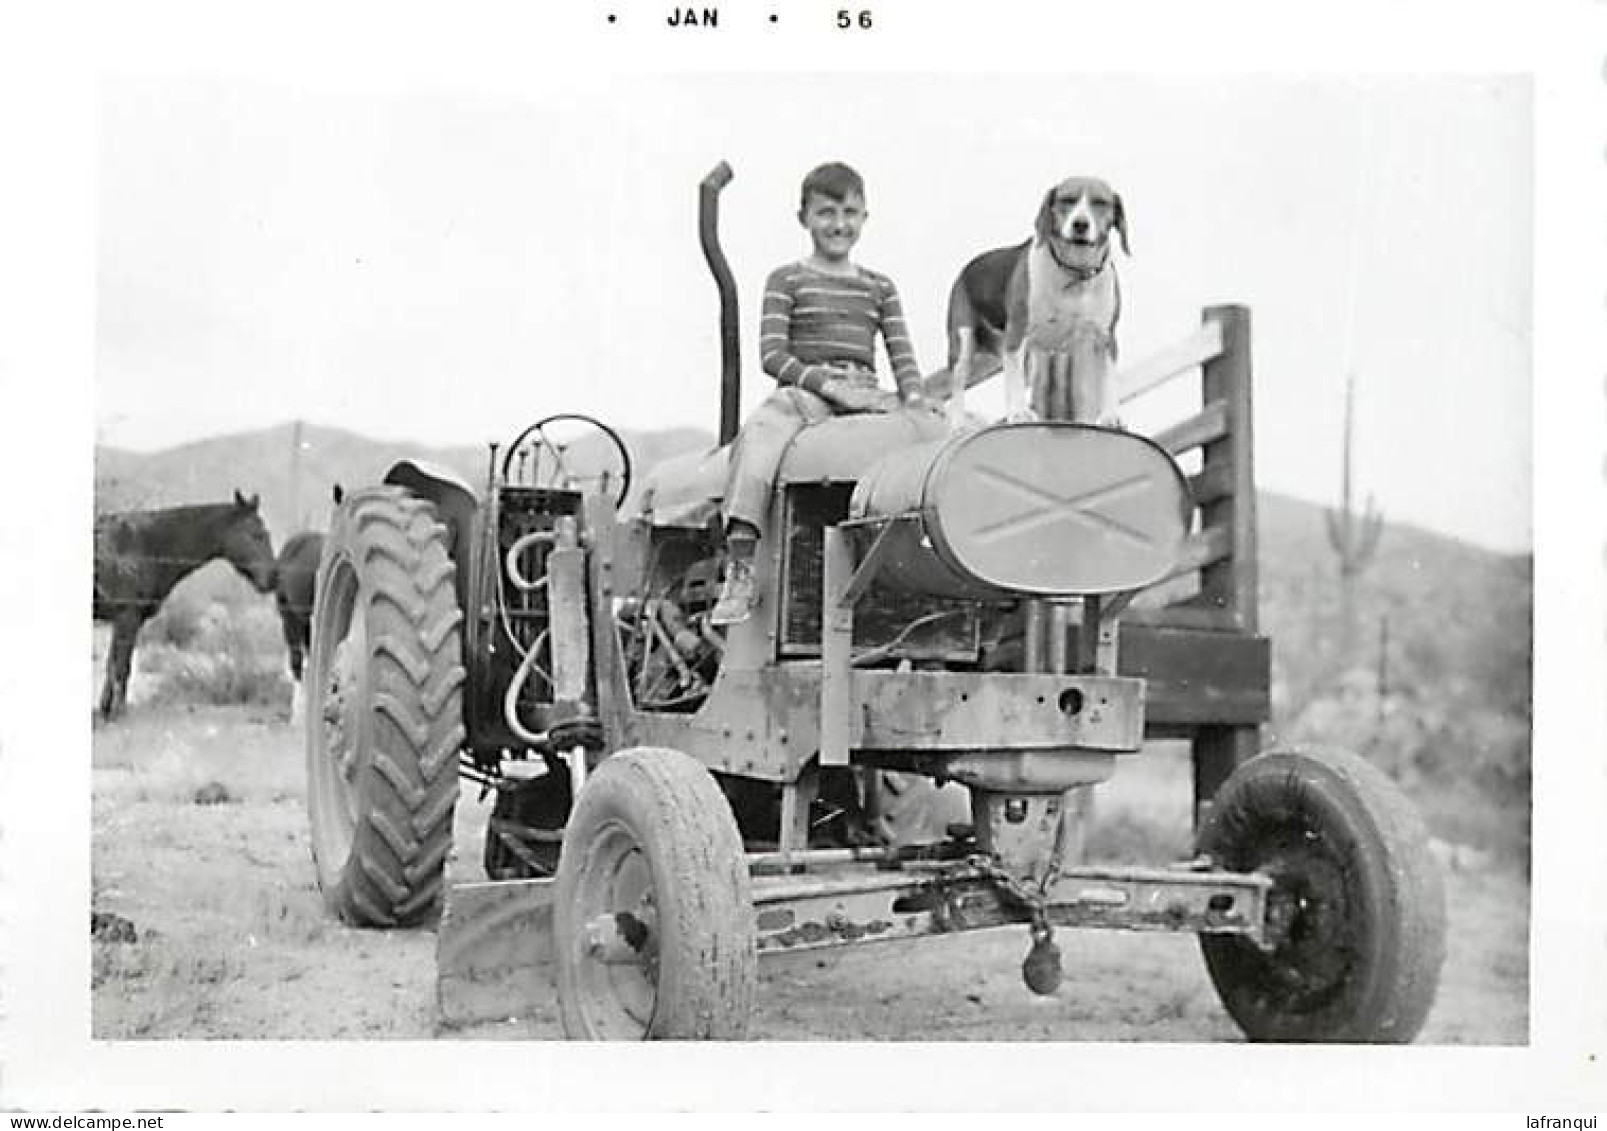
[
  {"x": 235, "y": 658},
  {"x": 224, "y": 679},
  {"x": 212, "y": 593},
  {"x": 214, "y": 793},
  {"x": 1462, "y": 757},
  {"x": 179, "y": 621},
  {"x": 1423, "y": 737}
]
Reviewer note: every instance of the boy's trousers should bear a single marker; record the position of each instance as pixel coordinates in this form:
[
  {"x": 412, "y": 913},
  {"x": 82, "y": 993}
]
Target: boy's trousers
[{"x": 760, "y": 445}]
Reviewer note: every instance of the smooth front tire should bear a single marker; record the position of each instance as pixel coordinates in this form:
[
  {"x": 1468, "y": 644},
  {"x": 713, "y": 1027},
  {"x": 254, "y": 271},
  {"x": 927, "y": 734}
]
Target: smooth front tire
[
  {"x": 1356, "y": 915},
  {"x": 653, "y": 911}
]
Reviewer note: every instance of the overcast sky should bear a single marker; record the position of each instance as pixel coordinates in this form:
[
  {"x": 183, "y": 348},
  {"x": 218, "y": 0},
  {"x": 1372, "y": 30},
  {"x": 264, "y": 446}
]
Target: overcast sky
[{"x": 426, "y": 262}]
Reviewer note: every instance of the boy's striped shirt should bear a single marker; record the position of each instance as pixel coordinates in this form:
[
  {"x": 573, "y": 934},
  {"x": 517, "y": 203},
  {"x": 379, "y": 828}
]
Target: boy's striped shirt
[{"x": 811, "y": 319}]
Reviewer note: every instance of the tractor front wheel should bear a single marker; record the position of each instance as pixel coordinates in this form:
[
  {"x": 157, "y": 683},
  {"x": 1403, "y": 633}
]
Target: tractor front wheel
[
  {"x": 1356, "y": 914},
  {"x": 653, "y": 912},
  {"x": 383, "y": 718}
]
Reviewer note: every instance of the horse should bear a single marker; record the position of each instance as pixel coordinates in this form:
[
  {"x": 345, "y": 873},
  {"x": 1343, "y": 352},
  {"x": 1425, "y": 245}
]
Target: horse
[
  {"x": 295, "y": 580},
  {"x": 141, "y": 555}
]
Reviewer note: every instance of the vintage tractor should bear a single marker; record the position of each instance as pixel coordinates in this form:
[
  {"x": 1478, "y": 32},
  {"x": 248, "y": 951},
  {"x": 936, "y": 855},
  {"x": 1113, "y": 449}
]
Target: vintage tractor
[{"x": 672, "y": 800}]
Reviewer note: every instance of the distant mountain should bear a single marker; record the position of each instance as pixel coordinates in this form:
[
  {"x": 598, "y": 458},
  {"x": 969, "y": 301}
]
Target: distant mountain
[
  {"x": 1431, "y": 610},
  {"x": 295, "y": 479}
]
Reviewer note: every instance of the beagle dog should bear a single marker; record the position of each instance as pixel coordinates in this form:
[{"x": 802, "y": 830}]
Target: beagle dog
[{"x": 1045, "y": 311}]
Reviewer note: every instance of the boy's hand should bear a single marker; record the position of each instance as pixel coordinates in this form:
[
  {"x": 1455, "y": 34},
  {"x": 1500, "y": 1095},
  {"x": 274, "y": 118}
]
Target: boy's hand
[
  {"x": 876, "y": 400},
  {"x": 916, "y": 402},
  {"x": 851, "y": 396},
  {"x": 832, "y": 391}
]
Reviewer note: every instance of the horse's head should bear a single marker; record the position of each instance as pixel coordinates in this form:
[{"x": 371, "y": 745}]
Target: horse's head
[{"x": 246, "y": 544}]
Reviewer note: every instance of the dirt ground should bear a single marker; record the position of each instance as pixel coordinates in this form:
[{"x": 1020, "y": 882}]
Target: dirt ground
[{"x": 212, "y": 927}]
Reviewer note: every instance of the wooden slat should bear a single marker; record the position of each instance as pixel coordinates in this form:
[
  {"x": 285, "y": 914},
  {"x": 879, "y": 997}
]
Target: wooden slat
[
  {"x": 1198, "y": 679},
  {"x": 1204, "y": 548},
  {"x": 1209, "y": 424},
  {"x": 1227, "y": 379},
  {"x": 1159, "y": 368},
  {"x": 1212, "y": 483},
  {"x": 1217, "y": 752},
  {"x": 1183, "y": 615},
  {"x": 1156, "y": 732}
]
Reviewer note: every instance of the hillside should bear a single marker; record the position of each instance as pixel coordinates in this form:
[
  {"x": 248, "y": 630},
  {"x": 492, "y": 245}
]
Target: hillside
[
  {"x": 1436, "y": 686},
  {"x": 296, "y": 491}
]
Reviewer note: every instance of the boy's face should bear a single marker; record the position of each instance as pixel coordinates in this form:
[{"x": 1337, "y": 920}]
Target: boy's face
[{"x": 833, "y": 225}]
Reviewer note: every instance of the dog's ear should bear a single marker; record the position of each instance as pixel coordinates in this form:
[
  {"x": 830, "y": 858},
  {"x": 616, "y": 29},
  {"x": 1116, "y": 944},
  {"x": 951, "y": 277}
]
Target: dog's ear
[
  {"x": 1121, "y": 220},
  {"x": 1044, "y": 226}
]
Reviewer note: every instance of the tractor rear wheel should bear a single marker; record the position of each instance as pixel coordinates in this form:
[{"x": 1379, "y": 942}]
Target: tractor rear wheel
[
  {"x": 383, "y": 714},
  {"x": 653, "y": 912},
  {"x": 1356, "y": 914}
]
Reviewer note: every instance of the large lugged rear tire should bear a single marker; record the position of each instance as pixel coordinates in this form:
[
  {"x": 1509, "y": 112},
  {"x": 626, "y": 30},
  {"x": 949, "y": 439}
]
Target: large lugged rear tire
[
  {"x": 384, "y": 718},
  {"x": 1357, "y": 907},
  {"x": 653, "y": 912}
]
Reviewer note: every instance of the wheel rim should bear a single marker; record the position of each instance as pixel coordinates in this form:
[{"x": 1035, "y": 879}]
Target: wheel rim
[
  {"x": 1354, "y": 933},
  {"x": 1314, "y": 923},
  {"x": 616, "y": 943},
  {"x": 335, "y": 717}
]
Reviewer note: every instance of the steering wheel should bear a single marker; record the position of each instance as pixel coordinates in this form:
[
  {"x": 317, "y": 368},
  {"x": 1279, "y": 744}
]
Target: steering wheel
[{"x": 566, "y": 455}]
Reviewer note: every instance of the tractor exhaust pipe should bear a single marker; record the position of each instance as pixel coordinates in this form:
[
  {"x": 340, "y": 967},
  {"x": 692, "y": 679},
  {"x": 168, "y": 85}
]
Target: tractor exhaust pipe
[{"x": 708, "y": 230}]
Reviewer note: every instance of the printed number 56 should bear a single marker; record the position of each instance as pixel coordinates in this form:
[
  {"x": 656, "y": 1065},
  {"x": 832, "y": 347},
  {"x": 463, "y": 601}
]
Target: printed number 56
[{"x": 847, "y": 19}]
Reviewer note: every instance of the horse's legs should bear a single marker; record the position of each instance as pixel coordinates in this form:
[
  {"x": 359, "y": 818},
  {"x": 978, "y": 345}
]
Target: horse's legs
[
  {"x": 108, "y": 680},
  {"x": 295, "y": 638},
  {"x": 114, "y": 697},
  {"x": 127, "y": 633}
]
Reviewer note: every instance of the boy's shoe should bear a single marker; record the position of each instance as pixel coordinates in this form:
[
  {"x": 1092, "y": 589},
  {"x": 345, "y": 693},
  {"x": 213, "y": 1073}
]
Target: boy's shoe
[{"x": 736, "y": 594}]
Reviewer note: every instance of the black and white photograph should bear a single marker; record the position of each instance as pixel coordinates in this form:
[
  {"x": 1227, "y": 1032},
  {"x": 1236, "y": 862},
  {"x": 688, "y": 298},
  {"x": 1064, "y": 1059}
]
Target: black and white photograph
[{"x": 910, "y": 544}]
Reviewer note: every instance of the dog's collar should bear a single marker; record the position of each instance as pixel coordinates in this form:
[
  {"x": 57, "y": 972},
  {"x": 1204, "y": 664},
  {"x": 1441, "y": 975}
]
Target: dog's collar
[{"x": 1079, "y": 274}]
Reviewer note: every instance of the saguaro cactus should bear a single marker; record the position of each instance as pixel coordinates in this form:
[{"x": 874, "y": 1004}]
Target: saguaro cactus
[{"x": 1353, "y": 536}]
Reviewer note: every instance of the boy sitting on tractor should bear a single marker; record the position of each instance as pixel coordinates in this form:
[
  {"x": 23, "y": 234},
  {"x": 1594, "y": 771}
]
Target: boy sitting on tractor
[{"x": 817, "y": 338}]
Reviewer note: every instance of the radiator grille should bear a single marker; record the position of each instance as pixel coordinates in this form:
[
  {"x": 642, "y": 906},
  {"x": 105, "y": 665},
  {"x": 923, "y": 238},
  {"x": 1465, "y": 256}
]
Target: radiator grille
[{"x": 881, "y": 614}]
